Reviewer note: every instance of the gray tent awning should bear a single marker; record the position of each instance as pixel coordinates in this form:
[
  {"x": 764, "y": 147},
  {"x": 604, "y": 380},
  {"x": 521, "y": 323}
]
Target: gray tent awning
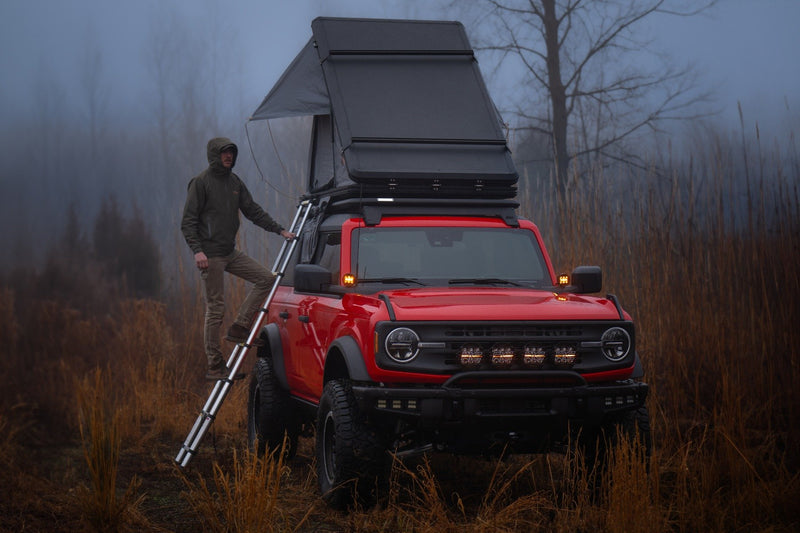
[{"x": 300, "y": 91}]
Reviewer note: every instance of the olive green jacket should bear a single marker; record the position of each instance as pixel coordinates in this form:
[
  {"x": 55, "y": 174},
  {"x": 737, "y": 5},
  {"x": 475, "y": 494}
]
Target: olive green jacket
[{"x": 211, "y": 213}]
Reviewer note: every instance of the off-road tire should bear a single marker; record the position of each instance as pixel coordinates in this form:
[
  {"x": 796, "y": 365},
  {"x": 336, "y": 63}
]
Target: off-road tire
[
  {"x": 350, "y": 458},
  {"x": 270, "y": 413}
]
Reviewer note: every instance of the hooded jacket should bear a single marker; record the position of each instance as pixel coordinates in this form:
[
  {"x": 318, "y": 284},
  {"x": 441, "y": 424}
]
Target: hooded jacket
[{"x": 216, "y": 195}]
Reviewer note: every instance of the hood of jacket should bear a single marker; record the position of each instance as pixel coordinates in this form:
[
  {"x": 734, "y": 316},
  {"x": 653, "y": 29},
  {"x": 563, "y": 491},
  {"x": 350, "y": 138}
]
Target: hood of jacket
[{"x": 214, "y": 151}]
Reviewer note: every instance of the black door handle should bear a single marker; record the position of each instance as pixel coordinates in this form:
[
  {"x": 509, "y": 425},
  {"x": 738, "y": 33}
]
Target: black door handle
[
  {"x": 303, "y": 318},
  {"x": 284, "y": 314}
]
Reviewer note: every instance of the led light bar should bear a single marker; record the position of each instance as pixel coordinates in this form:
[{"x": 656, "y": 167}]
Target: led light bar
[
  {"x": 471, "y": 355},
  {"x": 502, "y": 355},
  {"x": 533, "y": 356},
  {"x": 564, "y": 356}
]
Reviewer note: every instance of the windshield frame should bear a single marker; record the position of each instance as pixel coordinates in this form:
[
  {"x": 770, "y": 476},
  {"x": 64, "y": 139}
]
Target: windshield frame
[{"x": 542, "y": 277}]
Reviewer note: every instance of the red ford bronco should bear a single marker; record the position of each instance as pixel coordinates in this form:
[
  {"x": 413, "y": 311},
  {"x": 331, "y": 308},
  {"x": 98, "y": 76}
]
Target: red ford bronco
[{"x": 422, "y": 313}]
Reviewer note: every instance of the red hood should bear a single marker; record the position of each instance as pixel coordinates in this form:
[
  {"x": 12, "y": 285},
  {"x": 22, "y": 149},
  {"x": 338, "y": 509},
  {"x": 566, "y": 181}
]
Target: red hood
[{"x": 497, "y": 304}]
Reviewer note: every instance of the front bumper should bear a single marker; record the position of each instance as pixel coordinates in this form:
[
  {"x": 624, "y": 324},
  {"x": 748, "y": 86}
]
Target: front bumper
[{"x": 502, "y": 399}]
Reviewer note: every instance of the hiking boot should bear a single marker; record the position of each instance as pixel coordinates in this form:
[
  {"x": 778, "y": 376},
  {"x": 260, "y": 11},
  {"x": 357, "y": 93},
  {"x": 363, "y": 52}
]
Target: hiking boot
[
  {"x": 238, "y": 334},
  {"x": 222, "y": 372}
]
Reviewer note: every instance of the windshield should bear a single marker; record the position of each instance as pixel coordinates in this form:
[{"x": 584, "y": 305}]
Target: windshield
[{"x": 449, "y": 255}]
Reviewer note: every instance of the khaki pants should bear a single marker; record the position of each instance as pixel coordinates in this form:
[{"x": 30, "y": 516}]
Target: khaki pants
[{"x": 246, "y": 268}]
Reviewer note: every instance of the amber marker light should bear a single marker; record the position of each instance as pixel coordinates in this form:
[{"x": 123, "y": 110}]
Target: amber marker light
[
  {"x": 563, "y": 280},
  {"x": 349, "y": 280}
]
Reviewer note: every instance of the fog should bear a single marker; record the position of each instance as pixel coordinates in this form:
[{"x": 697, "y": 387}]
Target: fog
[{"x": 111, "y": 99}]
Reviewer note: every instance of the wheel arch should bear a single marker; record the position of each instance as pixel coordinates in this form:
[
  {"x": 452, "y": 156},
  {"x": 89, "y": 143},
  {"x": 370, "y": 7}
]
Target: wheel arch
[
  {"x": 638, "y": 368},
  {"x": 274, "y": 350},
  {"x": 345, "y": 361}
]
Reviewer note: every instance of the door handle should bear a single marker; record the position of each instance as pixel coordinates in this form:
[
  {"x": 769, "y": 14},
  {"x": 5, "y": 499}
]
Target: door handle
[
  {"x": 303, "y": 318},
  {"x": 284, "y": 314}
]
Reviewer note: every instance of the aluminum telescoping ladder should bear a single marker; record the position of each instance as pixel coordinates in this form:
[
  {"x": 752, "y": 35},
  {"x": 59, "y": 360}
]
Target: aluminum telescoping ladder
[{"x": 223, "y": 386}]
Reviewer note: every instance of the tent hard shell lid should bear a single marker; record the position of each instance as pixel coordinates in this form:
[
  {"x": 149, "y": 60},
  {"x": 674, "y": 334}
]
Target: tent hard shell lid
[{"x": 400, "y": 109}]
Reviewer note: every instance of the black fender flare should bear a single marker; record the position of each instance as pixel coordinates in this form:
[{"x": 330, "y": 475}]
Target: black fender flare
[
  {"x": 352, "y": 358},
  {"x": 638, "y": 368},
  {"x": 274, "y": 350}
]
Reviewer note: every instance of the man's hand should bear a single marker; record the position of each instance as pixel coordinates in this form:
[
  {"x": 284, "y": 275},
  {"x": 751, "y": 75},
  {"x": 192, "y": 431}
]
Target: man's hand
[
  {"x": 288, "y": 235},
  {"x": 201, "y": 260}
]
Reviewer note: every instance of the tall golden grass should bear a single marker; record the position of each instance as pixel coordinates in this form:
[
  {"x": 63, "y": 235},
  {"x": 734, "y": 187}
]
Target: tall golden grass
[
  {"x": 246, "y": 498},
  {"x": 103, "y": 507},
  {"x": 703, "y": 253}
]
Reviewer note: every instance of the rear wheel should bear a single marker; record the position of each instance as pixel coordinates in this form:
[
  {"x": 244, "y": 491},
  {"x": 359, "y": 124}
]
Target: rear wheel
[
  {"x": 270, "y": 414},
  {"x": 350, "y": 458}
]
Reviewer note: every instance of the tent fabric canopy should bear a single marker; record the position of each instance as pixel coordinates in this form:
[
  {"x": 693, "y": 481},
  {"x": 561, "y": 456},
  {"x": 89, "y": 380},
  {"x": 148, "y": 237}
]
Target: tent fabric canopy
[{"x": 300, "y": 91}]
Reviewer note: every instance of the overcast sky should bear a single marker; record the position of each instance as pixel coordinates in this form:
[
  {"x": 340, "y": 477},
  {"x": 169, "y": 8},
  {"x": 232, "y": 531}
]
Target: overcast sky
[{"x": 746, "y": 48}]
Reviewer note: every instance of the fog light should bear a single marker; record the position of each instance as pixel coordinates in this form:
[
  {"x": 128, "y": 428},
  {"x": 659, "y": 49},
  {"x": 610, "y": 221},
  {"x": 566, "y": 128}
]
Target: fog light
[
  {"x": 533, "y": 356},
  {"x": 563, "y": 280},
  {"x": 381, "y": 404},
  {"x": 502, "y": 355},
  {"x": 471, "y": 355},
  {"x": 564, "y": 356},
  {"x": 349, "y": 280}
]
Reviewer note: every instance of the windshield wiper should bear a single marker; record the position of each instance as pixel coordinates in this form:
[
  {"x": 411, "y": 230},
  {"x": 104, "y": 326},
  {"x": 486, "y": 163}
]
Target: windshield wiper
[
  {"x": 391, "y": 280},
  {"x": 484, "y": 281}
]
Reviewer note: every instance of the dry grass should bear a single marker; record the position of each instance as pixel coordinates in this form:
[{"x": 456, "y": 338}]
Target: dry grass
[
  {"x": 703, "y": 255},
  {"x": 246, "y": 498},
  {"x": 102, "y": 505}
]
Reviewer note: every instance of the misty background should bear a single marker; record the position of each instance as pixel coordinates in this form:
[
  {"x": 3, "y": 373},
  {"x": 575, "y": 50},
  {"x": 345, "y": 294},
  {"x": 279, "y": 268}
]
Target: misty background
[{"x": 106, "y": 108}]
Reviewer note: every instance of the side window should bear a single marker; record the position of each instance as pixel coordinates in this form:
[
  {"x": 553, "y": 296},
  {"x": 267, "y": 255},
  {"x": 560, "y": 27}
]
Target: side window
[{"x": 328, "y": 250}]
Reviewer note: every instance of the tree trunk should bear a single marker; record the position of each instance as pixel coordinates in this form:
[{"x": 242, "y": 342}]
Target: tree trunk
[{"x": 558, "y": 95}]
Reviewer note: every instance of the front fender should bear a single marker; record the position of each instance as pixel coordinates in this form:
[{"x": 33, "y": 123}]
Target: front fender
[
  {"x": 345, "y": 357},
  {"x": 638, "y": 368}
]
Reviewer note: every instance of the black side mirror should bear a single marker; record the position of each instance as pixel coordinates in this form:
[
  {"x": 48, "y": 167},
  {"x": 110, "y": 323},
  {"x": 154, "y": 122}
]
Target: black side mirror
[
  {"x": 311, "y": 278},
  {"x": 587, "y": 279}
]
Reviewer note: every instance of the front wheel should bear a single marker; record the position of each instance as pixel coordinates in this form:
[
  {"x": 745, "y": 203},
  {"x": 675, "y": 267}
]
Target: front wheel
[{"x": 349, "y": 456}]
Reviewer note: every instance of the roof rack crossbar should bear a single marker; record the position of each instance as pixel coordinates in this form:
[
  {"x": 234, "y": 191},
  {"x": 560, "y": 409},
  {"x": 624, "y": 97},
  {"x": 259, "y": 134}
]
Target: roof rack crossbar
[
  {"x": 406, "y": 140},
  {"x": 469, "y": 53}
]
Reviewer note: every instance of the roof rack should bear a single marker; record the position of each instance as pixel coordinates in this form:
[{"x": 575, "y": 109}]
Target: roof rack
[{"x": 374, "y": 209}]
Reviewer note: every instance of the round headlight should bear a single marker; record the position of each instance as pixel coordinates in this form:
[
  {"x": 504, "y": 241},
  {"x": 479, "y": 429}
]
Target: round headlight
[
  {"x": 402, "y": 344},
  {"x": 616, "y": 343}
]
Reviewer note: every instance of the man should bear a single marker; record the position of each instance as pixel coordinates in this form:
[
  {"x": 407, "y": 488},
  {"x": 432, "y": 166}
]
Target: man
[{"x": 209, "y": 225}]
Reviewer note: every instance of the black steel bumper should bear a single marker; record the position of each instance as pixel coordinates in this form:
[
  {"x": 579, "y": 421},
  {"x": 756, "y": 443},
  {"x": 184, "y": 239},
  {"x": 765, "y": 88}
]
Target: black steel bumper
[{"x": 502, "y": 398}]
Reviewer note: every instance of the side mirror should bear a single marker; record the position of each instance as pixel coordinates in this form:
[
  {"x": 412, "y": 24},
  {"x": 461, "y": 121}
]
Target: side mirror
[
  {"x": 311, "y": 278},
  {"x": 587, "y": 279}
]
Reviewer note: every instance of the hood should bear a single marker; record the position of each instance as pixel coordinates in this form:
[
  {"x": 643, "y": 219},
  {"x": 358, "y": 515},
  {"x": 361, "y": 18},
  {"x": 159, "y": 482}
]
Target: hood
[
  {"x": 498, "y": 304},
  {"x": 213, "y": 152}
]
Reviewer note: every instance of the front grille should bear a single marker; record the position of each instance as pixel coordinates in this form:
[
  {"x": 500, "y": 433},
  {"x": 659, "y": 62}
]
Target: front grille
[
  {"x": 442, "y": 343},
  {"x": 504, "y": 332}
]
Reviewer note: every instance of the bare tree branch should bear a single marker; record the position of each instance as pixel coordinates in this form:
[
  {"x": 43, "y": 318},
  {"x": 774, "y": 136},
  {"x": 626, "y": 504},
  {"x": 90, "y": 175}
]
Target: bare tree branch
[{"x": 585, "y": 58}]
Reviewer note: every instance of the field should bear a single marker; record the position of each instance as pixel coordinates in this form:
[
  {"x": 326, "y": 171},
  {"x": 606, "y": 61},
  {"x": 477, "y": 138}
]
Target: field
[{"x": 99, "y": 391}]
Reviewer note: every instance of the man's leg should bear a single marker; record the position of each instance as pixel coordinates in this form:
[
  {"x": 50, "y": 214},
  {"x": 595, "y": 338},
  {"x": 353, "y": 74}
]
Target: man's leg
[
  {"x": 261, "y": 278},
  {"x": 214, "y": 294}
]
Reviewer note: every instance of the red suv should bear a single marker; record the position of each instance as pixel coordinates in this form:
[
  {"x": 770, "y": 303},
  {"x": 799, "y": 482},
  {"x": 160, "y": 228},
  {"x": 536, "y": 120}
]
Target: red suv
[
  {"x": 421, "y": 313},
  {"x": 403, "y": 331}
]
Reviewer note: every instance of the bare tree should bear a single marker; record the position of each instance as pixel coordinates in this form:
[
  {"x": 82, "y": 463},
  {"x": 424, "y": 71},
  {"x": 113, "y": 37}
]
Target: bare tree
[{"x": 586, "y": 86}]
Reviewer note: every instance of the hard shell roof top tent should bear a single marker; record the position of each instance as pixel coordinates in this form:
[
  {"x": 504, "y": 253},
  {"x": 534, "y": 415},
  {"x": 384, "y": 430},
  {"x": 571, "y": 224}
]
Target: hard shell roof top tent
[{"x": 400, "y": 110}]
